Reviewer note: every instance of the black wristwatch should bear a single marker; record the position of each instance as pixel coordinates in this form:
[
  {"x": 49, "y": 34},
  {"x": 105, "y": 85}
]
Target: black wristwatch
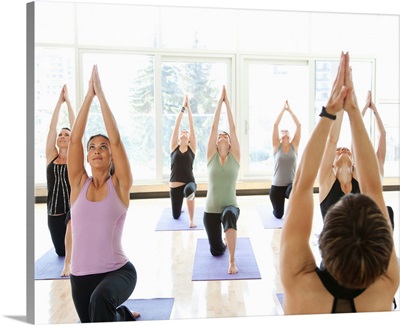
[
  {"x": 183, "y": 109},
  {"x": 326, "y": 114}
]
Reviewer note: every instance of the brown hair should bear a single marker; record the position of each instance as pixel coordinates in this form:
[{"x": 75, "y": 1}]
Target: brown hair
[{"x": 356, "y": 241}]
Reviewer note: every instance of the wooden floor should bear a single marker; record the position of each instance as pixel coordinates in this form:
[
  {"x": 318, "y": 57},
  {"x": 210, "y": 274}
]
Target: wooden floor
[{"x": 164, "y": 263}]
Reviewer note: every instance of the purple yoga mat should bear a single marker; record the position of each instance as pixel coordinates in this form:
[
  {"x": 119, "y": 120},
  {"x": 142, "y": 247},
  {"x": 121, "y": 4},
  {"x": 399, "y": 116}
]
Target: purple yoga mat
[
  {"x": 208, "y": 268},
  {"x": 151, "y": 309},
  {"x": 168, "y": 223},
  {"x": 268, "y": 219},
  {"x": 280, "y": 298},
  {"x": 49, "y": 266}
]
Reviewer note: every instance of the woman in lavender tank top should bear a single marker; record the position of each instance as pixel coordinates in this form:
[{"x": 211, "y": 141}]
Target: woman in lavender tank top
[{"x": 102, "y": 277}]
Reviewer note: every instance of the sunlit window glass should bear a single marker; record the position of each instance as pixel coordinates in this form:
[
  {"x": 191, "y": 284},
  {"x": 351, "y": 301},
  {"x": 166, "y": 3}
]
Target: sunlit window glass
[
  {"x": 202, "y": 82},
  {"x": 269, "y": 86},
  {"x": 128, "y": 82},
  {"x": 54, "y": 67}
]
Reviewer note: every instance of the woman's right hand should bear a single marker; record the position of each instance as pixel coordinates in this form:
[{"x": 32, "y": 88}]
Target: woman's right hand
[
  {"x": 340, "y": 88},
  {"x": 91, "y": 91},
  {"x": 61, "y": 97},
  {"x": 223, "y": 95}
]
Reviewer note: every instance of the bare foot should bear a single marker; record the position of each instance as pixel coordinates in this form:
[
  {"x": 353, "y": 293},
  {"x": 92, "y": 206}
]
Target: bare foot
[
  {"x": 65, "y": 272},
  {"x": 192, "y": 225},
  {"x": 135, "y": 314},
  {"x": 232, "y": 267}
]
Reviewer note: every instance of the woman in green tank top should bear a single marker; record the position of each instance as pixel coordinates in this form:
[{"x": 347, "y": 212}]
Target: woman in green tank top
[{"x": 223, "y": 161}]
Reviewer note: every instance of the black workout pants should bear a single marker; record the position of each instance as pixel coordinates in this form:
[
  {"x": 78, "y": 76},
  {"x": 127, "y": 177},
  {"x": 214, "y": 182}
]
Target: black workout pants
[
  {"x": 57, "y": 229},
  {"x": 213, "y": 223},
  {"x": 97, "y": 297},
  {"x": 177, "y": 194},
  {"x": 277, "y": 195}
]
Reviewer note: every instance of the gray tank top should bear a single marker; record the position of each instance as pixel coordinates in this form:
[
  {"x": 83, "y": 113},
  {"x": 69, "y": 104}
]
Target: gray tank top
[{"x": 285, "y": 166}]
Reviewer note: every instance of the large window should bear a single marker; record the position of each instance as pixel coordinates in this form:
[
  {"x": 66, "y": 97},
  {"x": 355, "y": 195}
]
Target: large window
[
  {"x": 128, "y": 82},
  {"x": 269, "y": 84},
  {"x": 54, "y": 67},
  {"x": 150, "y": 56},
  {"x": 202, "y": 81}
]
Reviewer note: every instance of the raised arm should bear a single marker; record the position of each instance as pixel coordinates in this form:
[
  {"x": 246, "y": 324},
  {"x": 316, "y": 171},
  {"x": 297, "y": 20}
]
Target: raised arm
[
  {"x": 296, "y": 257},
  {"x": 368, "y": 169},
  {"x": 51, "y": 149},
  {"x": 193, "y": 137},
  {"x": 235, "y": 146},
  {"x": 174, "y": 137},
  {"x": 212, "y": 139},
  {"x": 275, "y": 131},
  {"x": 76, "y": 169},
  {"x": 367, "y": 165},
  {"x": 297, "y": 132},
  {"x": 71, "y": 113},
  {"x": 325, "y": 173},
  {"x": 381, "y": 148},
  {"x": 123, "y": 174}
]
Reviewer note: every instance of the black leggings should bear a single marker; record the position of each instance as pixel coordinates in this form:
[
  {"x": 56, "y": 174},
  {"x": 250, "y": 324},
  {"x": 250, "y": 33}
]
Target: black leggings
[
  {"x": 58, "y": 228},
  {"x": 97, "y": 297},
  {"x": 277, "y": 195},
  {"x": 213, "y": 224},
  {"x": 177, "y": 194}
]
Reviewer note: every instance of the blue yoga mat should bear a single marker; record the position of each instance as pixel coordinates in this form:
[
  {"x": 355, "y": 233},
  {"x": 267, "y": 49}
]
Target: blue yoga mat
[
  {"x": 168, "y": 223},
  {"x": 280, "y": 298},
  {"x": 208, "y": 268},
  {"x": 268, "y": 219},
  {"x": 151, "y": 309},
  {"x": 49, "y": 266}
]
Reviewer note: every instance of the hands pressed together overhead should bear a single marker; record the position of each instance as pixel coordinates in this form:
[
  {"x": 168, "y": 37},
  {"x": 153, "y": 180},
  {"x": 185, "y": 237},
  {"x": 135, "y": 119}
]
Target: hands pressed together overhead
[{"x": 342, "y": 94}]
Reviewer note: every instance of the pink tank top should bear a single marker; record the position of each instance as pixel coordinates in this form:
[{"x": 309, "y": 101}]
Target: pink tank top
[{"x": 96, "y": 232}]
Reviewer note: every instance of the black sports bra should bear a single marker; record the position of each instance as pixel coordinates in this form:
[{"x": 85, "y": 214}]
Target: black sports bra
[{"x": 343, "y": 297}]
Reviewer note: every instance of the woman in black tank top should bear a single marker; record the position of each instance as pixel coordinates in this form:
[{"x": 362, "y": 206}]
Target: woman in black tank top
[
  {"x": 337, "y": 173},
  {"x": 183, "y": 146},
  {"x": 58, "y": 187}
]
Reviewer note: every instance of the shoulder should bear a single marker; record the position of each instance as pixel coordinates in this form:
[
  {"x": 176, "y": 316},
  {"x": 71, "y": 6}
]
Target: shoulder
[
  {"x": 276, "y": 148},
  {"x": 174, "y": 149},
  {"x": 213, "y": 157},
  {"x": 325, "y": 185},
  {"x": 307, "y": 295},
  {"x": 192, "y": 150},
  {"x": 235, "y": 159},
  {"x": 51, "y": 160}
]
